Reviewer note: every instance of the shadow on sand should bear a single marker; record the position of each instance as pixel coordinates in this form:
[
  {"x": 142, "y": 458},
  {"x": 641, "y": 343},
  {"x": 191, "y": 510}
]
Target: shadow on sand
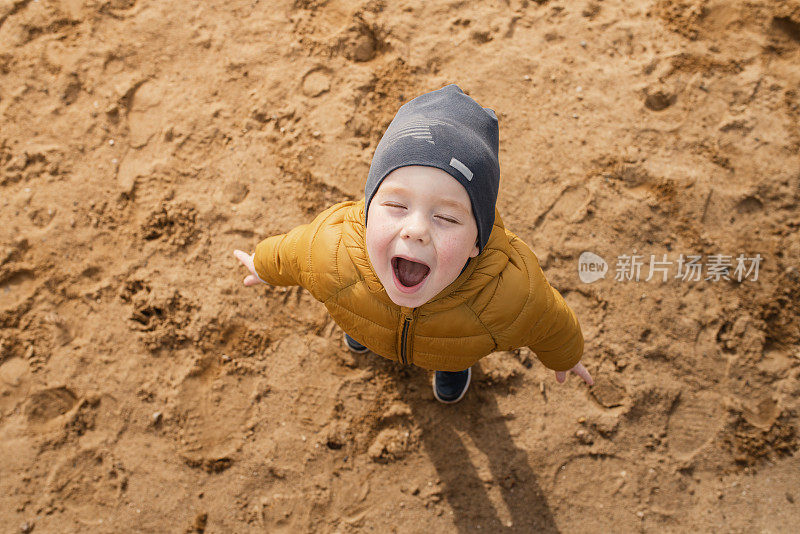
[{"x": 478, "y": 418}]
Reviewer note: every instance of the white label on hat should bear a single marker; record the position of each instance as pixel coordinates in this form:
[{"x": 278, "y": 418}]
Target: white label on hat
[{"x": 461, "y": 167}]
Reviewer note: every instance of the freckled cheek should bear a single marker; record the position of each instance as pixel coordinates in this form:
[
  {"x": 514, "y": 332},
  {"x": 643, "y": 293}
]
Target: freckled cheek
[
  {"x": 450, "y": 252},
  {"x": 379, "y": 237}
]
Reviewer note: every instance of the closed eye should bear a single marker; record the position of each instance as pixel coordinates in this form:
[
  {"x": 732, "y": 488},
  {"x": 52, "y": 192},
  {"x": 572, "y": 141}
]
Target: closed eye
[{"x": 399, "y": 206}]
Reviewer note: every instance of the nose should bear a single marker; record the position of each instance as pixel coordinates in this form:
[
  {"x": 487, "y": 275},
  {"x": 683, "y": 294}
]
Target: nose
[{"x": 415, "y": 228}]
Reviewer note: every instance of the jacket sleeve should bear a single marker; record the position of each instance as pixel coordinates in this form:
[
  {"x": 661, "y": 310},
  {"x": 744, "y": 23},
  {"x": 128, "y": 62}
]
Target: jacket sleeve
[
  {"x": 286, "y": 259},
  {"x": 556, "y": 335},
  {"x": 278, "y": 259}
]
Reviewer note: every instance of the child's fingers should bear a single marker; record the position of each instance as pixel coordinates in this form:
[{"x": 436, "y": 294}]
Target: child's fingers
[
  {"x": 243, "y": 257},
  {"x": 581, "y": 371},
  {"x": 251, "y": 280},
  {"x": 247, "y": 261}
]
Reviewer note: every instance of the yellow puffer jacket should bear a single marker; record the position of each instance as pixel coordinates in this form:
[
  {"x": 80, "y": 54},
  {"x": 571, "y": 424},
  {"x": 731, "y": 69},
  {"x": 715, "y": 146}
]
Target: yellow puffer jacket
[{"x": 501, "y": 301}]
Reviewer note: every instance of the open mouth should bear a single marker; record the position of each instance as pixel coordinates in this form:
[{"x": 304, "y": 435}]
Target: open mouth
[{"x": 409, "y": 273}]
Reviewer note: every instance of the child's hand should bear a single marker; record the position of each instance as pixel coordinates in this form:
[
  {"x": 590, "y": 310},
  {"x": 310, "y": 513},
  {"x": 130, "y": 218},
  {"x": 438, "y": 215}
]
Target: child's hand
[
  {"x": 247, "y": 259},
  {"x": 579, "y": 370}
]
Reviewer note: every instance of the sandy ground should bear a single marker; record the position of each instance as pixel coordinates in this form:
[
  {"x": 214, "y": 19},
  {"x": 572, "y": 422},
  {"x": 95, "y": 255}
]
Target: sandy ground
[{"x": 144, "y": 389}]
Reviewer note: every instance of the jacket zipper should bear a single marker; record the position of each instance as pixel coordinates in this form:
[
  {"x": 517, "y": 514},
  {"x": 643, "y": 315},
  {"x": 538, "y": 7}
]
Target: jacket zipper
[{"x": 403, "y": 340}]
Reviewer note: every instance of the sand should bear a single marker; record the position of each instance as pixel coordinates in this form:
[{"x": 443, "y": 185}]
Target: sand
[{"x": 143, "y": 388}]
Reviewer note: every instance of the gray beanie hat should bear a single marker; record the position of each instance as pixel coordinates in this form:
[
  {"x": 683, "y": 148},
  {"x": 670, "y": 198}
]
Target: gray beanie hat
[{"x": 448, "y": 130}]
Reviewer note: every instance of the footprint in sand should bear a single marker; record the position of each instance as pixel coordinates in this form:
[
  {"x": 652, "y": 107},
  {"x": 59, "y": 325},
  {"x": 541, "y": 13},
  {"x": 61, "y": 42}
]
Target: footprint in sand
[
  {"x": 659, "y": 100},
  {"x": 609, "y": 391},
  {"x": 145, "y": 115},
  {"x": 16, "y": 287},
  {"x": 695, "y": 420},
  {"x": 316, "y": 82},
  {"x": 288, "y": 510},
  {"x": 90, "y": 476},
  {"x": 49, "y": 403},
  {"x": 215, "y": 407},
  {"x": 749, "y": 204},
  {"x": 706, "y": 358},
  {"x": 571, "y": 204},
  {"x": 786, "y": 27}
]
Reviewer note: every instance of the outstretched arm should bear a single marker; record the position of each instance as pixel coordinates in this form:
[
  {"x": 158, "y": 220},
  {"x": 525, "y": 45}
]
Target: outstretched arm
[{"x": 556, "y": 337}]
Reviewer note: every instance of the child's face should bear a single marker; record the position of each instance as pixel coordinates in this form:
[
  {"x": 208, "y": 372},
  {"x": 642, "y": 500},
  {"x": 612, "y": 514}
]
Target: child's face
[{"x": 421, "y": 214}]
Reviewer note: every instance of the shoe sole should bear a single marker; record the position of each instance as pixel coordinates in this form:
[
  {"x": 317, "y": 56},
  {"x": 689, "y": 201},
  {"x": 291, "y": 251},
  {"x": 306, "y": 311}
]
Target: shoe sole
[
  {"x": 346, "y": 344},
  {"x": 464, "y": 392}
]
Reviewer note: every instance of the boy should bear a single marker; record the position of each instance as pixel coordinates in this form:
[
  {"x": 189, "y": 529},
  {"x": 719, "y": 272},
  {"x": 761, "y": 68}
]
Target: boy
[{"x": 422, "y": 270}]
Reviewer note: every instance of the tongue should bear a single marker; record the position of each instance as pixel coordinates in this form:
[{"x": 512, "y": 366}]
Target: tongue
[{"x": 411, "y": 273}]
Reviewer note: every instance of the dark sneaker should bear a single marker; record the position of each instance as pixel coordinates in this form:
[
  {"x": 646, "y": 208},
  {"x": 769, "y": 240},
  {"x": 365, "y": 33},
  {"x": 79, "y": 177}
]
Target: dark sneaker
[
  {"x": 354, "y": 345},
  {"x": 450, "y": 387}
]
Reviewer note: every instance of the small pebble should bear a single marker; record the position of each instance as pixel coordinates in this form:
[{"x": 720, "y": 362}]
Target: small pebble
[
  {"x": 640, "y": 514},
  {"x": 226, "y": 358},
  {"x": 527, "y": 78},
  {"x": 111, "y": 142},
  {"x": 583, "y": 44},
  {"x": 579, "y": 89},
  {"x": 315, "y": 133},
  {"x": 157, "y": 418}
]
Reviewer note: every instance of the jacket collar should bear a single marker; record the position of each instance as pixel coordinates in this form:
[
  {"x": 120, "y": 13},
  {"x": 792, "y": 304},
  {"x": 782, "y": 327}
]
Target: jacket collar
[{"x": 480, "y": 270}]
